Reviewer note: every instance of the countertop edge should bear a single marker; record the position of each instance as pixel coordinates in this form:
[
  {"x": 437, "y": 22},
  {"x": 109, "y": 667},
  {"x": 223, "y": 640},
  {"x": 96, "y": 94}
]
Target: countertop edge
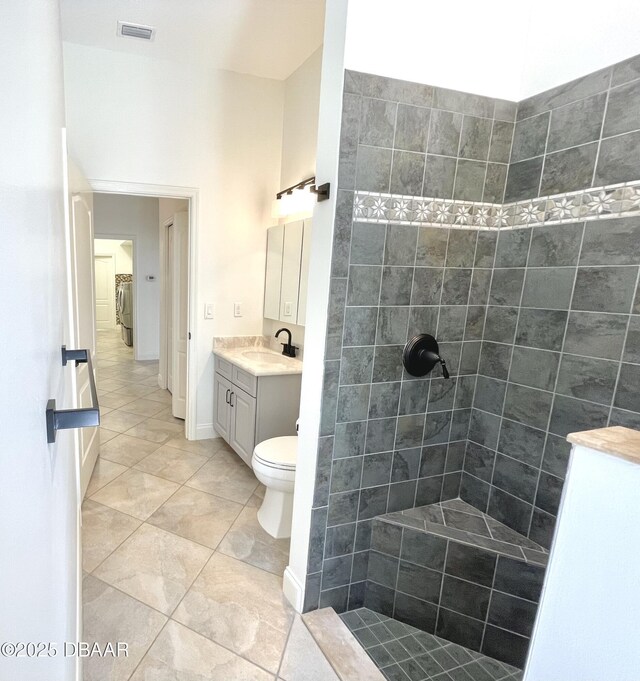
[
  {"x": 615, "y": 440},
  {"x": 234, "y": 356}
]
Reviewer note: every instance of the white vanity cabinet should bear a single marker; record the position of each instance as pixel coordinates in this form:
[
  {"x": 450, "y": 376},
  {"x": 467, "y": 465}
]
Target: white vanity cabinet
[
  {"x": 250, "y": 408},
  {"x": 287, "y": 270}
]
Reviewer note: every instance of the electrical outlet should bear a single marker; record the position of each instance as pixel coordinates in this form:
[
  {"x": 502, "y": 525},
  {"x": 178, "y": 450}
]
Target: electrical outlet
[
  {"x": 208, "y": 311},
  {"x": 237, "y": 310}
]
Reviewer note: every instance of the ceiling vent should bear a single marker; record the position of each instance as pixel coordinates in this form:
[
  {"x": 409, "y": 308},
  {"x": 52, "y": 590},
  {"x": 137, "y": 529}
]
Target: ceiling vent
[{"x": 129, "y": 30}]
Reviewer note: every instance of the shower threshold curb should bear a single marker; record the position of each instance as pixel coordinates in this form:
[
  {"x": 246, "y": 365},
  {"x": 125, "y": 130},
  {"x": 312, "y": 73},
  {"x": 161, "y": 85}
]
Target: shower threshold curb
[{"x": 341, "y": 648}]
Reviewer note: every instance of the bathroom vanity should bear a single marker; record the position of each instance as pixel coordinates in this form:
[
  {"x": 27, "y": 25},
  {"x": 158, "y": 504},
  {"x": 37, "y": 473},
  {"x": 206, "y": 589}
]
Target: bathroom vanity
[{"x": 256, "y": 396}]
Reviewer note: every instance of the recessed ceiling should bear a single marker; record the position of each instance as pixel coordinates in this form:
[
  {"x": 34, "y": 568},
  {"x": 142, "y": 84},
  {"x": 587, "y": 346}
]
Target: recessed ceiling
[{"x": 266, "y": 38}]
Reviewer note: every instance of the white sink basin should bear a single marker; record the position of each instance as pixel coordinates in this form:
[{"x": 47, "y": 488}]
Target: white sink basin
[{"x": 261, "y": 356}]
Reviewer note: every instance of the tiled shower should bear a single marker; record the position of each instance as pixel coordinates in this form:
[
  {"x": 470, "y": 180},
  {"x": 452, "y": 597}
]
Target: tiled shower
[{"x": 510, "y": 232}]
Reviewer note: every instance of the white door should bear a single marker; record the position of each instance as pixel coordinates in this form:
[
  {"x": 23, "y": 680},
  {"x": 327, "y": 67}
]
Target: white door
[
  {"x": 105, "y": 292},
  {"x": 39, "y": 500},
  {"x": 84, "y": 327},
  {"x": 180, "y": 314}
]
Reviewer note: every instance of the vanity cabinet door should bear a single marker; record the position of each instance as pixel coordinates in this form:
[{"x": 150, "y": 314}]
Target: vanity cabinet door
[
  {"x": 243, "y": 423},
  {"x": 273, "y": 275},
  {"x": 291, "y": 259},
  {"x": 222, "y": 415}
]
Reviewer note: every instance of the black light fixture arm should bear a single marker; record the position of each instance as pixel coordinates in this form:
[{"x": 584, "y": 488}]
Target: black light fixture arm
[{"x": 323, "y": 191}]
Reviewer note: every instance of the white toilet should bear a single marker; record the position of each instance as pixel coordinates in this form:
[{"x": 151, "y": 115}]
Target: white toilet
[{"x": 274, "y": 463}]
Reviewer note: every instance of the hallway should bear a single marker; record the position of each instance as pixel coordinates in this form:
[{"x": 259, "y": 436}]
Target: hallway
[{"x": 175, "y": 562}]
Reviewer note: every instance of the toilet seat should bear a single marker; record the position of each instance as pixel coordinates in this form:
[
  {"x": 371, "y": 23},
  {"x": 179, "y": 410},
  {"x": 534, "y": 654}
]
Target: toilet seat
[{"x": 279, "y": 453}]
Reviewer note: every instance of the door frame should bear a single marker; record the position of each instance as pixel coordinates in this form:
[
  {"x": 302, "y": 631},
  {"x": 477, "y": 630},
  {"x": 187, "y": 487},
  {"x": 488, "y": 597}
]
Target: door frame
[
  {"x": 113, "y": 283},
  {"x": 163, "y": 374},
  {"x": 191, "y": 194}
]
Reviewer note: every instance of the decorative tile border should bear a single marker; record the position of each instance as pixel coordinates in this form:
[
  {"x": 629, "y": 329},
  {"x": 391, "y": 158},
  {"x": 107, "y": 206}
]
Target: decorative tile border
[{"x": 618, "y": 200}]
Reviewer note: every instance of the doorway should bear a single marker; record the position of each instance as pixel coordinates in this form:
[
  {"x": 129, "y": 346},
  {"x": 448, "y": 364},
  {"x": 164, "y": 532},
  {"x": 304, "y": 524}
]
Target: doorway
[
  {"x": 148, "y": 239},
  {"x": 115, "y": 287}
]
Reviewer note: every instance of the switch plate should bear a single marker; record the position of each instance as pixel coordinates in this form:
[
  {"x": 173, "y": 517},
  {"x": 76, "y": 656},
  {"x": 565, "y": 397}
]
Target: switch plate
[
  {"x": 287, "y": 309},
  {"x": 237, "y": 310},
  {"x": 208, "y": 311}
]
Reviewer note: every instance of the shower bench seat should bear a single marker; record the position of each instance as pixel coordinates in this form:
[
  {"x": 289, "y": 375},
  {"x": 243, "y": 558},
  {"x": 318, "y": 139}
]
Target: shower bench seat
[{"x": 454, "y": 571}]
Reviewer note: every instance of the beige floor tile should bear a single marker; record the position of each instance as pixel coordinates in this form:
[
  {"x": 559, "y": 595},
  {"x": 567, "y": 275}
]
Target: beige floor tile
[
  {"x": 180, "y": 654},
  {"x": 143, "y": 407},
  {"x": 135, "y": 389},
  {"x": 247, "y": 541},
  {"x": 110, "y": 384},
  {"x": 105, "y": 363},
  {"x": 156, "y": 431},
  {"x": 196, "y": 515},
  {"x": 103, "y": 472},
  {"x": 240, "y": 607},
  {"x": 166, "y": 415},
  {"x": 303, "y": 660},
  {"x": 136, "y": 493},
  {"x": 207, "y": 447},
  {"x": 227, "y": 476},
  {"x": 114, "y": 400},
  {"x": 154, "y": 566},
  {"x": 103, "y": 530},
  {"x": 151, "y": 381},
  {"x": 127, "y": 450},
  {"x": 106, "y": 435},
  {"x": 172, "y": 464},
  {"x": 111, "y": 616},
  {"x": 162, "y": 396},
  {"x": 257, "y": 497},
  {"x": 121, "y": 421}
]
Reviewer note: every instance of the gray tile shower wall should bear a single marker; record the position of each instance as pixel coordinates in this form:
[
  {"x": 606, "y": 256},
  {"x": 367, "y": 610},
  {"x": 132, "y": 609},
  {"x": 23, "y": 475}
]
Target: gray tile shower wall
[
  {"x": 389, "y": 441},
  {"x": 581, "y": 134},
  {"x": 540, "y": 326},
  {"x": 560, "y": 353}
]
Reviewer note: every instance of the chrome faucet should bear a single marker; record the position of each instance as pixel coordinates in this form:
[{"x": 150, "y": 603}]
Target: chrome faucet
[{"x": 287, "y": 348}]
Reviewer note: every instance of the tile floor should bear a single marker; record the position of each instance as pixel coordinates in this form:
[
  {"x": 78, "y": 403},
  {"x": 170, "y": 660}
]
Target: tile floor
[
  {"x": 175, "y": 561},
  {"x": 404, "y": 653}
]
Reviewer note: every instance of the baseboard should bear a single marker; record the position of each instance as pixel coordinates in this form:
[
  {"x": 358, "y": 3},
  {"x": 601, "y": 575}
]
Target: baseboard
[
  {"x": 205, "y": 431},
  {"x": 293, "y": 590}
]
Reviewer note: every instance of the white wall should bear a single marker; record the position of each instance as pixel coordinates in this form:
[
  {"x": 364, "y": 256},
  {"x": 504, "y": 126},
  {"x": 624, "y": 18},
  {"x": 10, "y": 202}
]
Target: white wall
[
  {"x": 120, "y": 250},
  {"x": 136, "y": 217},
  {"x": 299, "y": 145},
  {"x": 496, "y": 48},
  {"x": 300, "y": 121},
  {"x": 587, "y": 622},
  {"x": 134, "y": 119}
]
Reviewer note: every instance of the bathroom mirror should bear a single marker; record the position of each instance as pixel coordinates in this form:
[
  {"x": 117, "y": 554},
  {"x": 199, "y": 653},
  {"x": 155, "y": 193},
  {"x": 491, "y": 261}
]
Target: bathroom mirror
[{"x": 285, "y": 291}]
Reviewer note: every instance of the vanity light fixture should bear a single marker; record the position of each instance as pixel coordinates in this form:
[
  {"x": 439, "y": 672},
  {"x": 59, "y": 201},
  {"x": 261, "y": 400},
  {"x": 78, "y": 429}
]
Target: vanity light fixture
[{"x": 297, "y": 198}]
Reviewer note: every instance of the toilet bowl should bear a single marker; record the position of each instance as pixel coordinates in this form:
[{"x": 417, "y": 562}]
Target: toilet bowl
[{"x": 274, "y": 464}]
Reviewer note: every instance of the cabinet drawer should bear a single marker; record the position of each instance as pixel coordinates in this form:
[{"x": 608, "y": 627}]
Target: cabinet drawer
[
  {"x": 225, "y": 368},
  {"x": 245, "y": 381}
]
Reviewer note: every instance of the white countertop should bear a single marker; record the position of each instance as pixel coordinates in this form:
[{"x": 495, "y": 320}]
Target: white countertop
[{"x": 260, "y": 361}]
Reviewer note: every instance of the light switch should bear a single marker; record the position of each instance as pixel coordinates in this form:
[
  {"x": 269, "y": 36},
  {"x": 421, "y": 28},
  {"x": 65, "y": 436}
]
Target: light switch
[
  {"x": 208, "y": 311},
  {"x": 237, "y": 310},
  {"x": 287, "y": 309}
]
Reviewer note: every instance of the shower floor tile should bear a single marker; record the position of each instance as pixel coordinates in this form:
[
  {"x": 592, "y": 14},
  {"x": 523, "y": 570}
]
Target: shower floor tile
[{"x": 404, "y": 653}]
